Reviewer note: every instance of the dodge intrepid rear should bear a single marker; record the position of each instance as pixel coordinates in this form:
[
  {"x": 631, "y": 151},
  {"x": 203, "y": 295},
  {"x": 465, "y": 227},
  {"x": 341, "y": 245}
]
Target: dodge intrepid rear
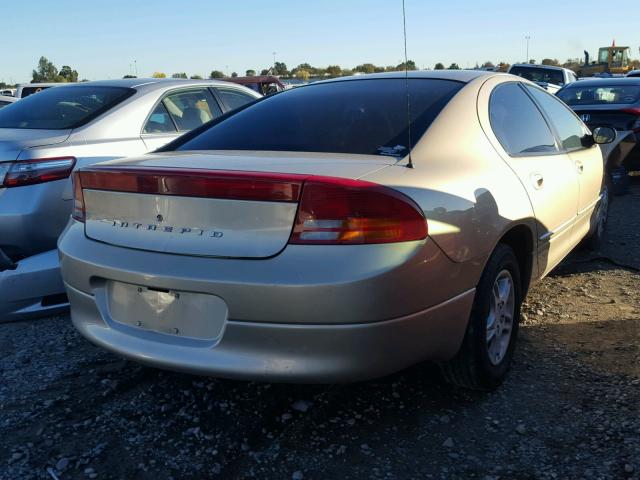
[{"x": 339, "y": 231}]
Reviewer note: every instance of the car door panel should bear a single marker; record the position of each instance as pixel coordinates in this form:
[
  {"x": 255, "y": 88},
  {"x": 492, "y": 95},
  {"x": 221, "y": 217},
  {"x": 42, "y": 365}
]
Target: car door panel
[
  {"x": 547, "y": 174},
  {"x": 586, "y": 158}
]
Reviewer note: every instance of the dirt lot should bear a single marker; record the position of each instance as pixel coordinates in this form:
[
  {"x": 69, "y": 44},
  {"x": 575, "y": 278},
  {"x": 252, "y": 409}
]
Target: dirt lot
[{"x": 569, "y": 410}]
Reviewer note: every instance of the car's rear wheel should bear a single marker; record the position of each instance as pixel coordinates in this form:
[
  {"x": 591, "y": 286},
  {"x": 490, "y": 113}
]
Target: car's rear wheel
[{"x": 485, "y": 356}]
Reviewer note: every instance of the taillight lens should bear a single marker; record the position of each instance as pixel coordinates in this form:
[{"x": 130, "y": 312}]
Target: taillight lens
[
  {"x": 340, "y": 211},
  {"x": 330, "y": 210},
  {"x": 78, "y": 198},
  {"x": 226, "y": 184},
  {"x": 38, "y": 170}
]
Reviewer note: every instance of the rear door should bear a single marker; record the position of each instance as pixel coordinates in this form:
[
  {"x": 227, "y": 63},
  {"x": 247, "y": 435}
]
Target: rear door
[
  {"x": 526, "y": 142},
  {"x": 177, "y": 113},
  {"x": 587, "y": 160}
]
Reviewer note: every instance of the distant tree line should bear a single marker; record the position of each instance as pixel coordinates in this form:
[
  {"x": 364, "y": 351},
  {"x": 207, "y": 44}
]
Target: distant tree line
[{"x": 46, "y": 71}]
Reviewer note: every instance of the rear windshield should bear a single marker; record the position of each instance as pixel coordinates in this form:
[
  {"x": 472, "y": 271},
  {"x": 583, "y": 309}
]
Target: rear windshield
[
  {"x": 62, "y": 108},
  {"x": 354, "y": 116},
  {"x": 600, "y": 95},
  {"x": 543, "y": 75}
]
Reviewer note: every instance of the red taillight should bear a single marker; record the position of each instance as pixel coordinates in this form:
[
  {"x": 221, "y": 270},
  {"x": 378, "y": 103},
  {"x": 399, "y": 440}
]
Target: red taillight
[
  {"x": 633, "y": 110},
  {"x": 330, "y": 211},
  {"x": 78, "y": 198},
  {"x": 38, "y": 170},
  {"x": 341, "y": 211},
  {"x": 270, "y": 187}
]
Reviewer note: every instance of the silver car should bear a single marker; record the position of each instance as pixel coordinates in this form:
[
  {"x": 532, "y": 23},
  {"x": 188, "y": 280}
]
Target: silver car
[
  {"x": 6, "y": 100},
  {"x": 331, "y": 234},
  {"x": 45, "y": 136}
]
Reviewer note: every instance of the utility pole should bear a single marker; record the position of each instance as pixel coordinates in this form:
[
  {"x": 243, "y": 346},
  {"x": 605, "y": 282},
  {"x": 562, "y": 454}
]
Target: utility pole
[
  {"x": 527, "y": 38},
  {"x": 274, "y": 59},
  {"x": 135, "y": 64}
]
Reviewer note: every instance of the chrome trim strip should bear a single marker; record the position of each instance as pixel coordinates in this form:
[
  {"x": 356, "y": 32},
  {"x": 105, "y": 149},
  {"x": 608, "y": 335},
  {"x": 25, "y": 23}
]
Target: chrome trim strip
[
  {"x": 557, "y": 230},
  {"x": 590, "y": 206}
]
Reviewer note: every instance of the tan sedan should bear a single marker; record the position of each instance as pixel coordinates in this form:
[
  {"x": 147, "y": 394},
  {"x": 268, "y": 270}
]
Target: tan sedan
[{"x": 330, "y": 233}]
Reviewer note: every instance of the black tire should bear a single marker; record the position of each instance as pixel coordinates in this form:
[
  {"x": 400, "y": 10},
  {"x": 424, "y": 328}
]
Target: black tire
[
  {"x": 595, "y": 239},
  {"x": 471, "y": 367}
]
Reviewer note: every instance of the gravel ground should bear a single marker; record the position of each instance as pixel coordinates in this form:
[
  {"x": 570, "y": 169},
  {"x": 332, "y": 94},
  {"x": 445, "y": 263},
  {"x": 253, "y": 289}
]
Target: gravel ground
[{"x": 569, "y": 410}]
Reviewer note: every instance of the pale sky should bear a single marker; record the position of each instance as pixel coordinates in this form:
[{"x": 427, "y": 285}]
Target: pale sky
[{"x": 102, "y": 39}]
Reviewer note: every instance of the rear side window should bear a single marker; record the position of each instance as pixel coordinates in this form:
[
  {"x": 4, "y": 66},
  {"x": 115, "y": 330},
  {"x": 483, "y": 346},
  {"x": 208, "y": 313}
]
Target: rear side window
[
  {"x": 192, "y": 108},
  {"x": 62, "y": 108},
  {"x": 366, "y": 116},
  {"x": 160, "y": 121},
  {"x": 234, "y": 98},
  {"x": 517, "y": 122},
  {"x": 569, "y": 128}
]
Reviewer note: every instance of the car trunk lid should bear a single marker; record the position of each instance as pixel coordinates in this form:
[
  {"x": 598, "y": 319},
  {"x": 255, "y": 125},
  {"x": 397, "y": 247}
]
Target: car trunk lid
[
  {"x": 237, "y": 205},
  {"x": 15, "y": 140}
]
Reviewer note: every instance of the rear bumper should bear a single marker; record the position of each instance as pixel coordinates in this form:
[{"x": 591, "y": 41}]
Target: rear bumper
[
  {"x": 32, "y": 217},
  {"x": 310, "y": 314},
  {"x": 296, "y": 353},
  {"x": 33, "y": 288}
]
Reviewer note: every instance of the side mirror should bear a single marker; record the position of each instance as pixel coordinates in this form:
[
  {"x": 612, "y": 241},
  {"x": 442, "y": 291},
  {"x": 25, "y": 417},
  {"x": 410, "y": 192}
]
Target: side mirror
[{"x": 604, "y": 135}]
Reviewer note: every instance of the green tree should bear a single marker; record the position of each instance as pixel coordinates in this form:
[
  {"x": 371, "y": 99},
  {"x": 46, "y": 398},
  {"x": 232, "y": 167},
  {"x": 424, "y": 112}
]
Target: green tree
[
  {"x": 234, "y": 74},
  {"x": 68, "y": 74},
  {"x": 550, "y": 61},
  {"x": 532, "y": 61},
  {"x": 453, "y": 66},
  {"x": 280, "y": 68},
  {"x": 250, "y": 73},
  {"x": 196, "y": 77},
  {"x": 303, "y": 75},
  {"x": 365, "y": 68},
  {"x": 488, "y": 64},
  {"x": 216, "y": 74},
  {"x": 45, "y": 72},
  {"x": 411, "y": 65},
  {"x": 265, "y": 71},
  {"x": 179, "y": 75},
  {"x": 334, "y": 70},
  {"x": 129, "y": 76},
  {"x": 159, "y": 75},
  {"x": 439, "y": 66},
  {"x": 346, "y": 72}
]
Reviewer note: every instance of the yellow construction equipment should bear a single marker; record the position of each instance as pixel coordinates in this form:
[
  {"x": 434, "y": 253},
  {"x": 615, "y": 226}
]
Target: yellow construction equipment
[{"x": 613, "y": 60}]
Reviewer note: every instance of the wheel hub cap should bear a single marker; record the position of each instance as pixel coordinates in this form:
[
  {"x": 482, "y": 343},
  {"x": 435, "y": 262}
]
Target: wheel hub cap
[{"x": 500, "y": 318}]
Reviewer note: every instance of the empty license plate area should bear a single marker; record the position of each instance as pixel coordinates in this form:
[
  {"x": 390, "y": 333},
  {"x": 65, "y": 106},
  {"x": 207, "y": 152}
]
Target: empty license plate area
[{"x": 178, "y": 313}]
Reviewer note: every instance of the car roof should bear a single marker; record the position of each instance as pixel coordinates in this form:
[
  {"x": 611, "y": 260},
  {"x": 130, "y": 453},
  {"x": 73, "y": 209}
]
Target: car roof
[
  {"x": 7, "y": 98},
  {"x": 458, "y": 75},
  {"x": 152, "y": 83},
  {"x": 611, "y": 81}
]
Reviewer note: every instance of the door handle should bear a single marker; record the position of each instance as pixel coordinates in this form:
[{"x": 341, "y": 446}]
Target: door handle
[
  {"x": 538, "y": 180},
  {"x": 579, "y": 166}
]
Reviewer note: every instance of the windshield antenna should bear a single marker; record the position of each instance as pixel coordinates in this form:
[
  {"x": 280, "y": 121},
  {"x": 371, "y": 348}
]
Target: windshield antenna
[{"x": 406, "y": 80}]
